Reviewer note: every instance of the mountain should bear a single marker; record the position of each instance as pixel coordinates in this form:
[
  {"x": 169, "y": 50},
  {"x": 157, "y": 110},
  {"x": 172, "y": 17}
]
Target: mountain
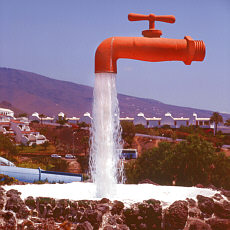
[{"x": 32, "y": 92}]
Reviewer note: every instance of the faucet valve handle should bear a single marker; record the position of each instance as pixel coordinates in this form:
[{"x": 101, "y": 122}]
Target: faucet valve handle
[{"x": 152, "y": 32}]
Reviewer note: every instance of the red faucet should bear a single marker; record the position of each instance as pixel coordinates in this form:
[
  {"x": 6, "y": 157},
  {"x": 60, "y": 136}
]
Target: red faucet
[{"x": 151, "y": 47}]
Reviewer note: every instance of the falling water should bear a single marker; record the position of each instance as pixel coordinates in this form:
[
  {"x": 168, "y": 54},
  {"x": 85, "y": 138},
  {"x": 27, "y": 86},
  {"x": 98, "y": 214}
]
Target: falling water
[{"x": 105, "y": 166}]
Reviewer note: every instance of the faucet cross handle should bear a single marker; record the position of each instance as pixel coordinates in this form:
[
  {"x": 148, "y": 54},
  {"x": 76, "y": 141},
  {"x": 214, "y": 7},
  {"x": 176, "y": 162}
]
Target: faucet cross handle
[{"x": 152, "y": 32}]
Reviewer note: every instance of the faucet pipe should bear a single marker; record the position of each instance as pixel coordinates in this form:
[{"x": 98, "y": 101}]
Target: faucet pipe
[{"x": 146, "y": 49}]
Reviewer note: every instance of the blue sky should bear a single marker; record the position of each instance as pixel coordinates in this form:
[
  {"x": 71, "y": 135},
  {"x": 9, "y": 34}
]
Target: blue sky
[{"x": 58, "y": 39}]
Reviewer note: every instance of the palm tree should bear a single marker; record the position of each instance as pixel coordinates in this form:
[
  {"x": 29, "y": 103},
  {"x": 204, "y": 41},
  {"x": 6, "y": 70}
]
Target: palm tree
[
  {"x": 227, "y": 122},
  {"x": 216, "y": 118},
  {"x": 42, "y": 116}
]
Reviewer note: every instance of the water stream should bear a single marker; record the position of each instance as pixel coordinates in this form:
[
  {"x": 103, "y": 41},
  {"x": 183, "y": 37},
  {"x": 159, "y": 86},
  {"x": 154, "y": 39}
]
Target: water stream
[{"x": 106, "y": 169}]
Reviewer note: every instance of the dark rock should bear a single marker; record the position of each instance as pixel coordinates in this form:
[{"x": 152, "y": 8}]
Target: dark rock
[
  {"x": 112, "y": 220},
  {"x": 222, "y": 210},
  {"x": 213, "y": 187},
  {"x": 61, "y": 219},
  {"x": 34, "y": 213},
  {"x": 16, "y": 204},
  {"x": 42, "y": 209},
  {"x": 131, "y": 217},
  {"x": 84, "y": 204},
  {"x": 2, "y": 202},
  {"x": 104, "y": 200},
  {"x": 94, "y": 217},
  {"x": 108, "y": 227},
  {"x": 196, "y": 224},
  {"x": 27, "y": 224},
  {"x": 103, "y": 208},
  {"x": 176, "y": 215},
  {"x": 47, "y": 224},
  {"x": 13, "y": 192},
  {"x": 10, "y": 221},
  {"x": 2, "y": 191},
  {"x": 200, "y": 186},
  {"x": 2, "y": 195},
  {"x": 205, "y": 204},
  {"x": 117, "y": 207},
  {"x": 57, "y": 212},
  {"x": 226, "y": 193},
  {"x": 147, "y": 181},
  {"x": 194, "y": 212},
  {"x": 191, "y": 203},
  {"x": 30, "y": 202},
  {"x": 49, "y": 213},
  {"x": 218, "y": 197},
  {"x": 143, "y": 226},
  {"x": 219, "y": 224},
  {"x": 84, "y": 226},
  {"x": 35, "y": 220},
  {"x": 122, "y": 227},
  {"x": 45, "y": 201},
  {"x": 151, "y": 213},
  {"x": 23, "y": 212},
  {"x": 63, "y": 203},
  {"x": 66, "y": 225}
]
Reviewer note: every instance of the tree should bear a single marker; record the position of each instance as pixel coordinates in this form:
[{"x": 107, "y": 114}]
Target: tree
[
  {"x": 45, "y": 145},
  {"x": 23, "y": 115},
  {"x": 227, "y": 122},
  {"x": 216, "y": 118},
  {"x": 7, "y": 147},
  {"x": 128, "y": 131},
  {"x": 42, "y": 116},
  {"x": 62, "y": 121},
  {"x": 189, "y": 162}
]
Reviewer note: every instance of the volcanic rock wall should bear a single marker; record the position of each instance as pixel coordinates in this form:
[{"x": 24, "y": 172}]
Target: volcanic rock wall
[{"x": 47, "y": 213}]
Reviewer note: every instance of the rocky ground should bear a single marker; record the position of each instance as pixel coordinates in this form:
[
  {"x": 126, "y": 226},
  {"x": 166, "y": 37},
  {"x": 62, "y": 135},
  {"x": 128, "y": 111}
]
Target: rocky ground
[{"x": 47, "y": 213}]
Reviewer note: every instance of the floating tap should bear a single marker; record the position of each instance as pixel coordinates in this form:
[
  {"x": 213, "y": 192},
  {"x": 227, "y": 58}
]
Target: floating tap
[{"x": 150, "y": 48}]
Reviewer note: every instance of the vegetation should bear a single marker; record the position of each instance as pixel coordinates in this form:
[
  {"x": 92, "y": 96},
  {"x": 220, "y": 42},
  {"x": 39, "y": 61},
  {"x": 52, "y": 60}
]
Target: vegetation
[
  {"x": 36, "y": 148},
  {"x": 6, "y": 145},
  {"x": 62, "y": 121},
  {"x": 41, "y": 117},
  {"x": 216, "y": 118},
  {"x": 227, "y": 122},
  {"x": 84, "y": 162},
  {"x": 190, "y": 162},
  {"x": 23, "y": 115},
  {"x": 46, "y": 163},
  {"x": 6, "y": 180},
  {"x": 128, "y": 132}
]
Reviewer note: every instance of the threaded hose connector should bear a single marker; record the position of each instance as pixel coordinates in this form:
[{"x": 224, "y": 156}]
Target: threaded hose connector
[
  {"x": 195, "y": 50},
  {"x": 199, "y": 50}
]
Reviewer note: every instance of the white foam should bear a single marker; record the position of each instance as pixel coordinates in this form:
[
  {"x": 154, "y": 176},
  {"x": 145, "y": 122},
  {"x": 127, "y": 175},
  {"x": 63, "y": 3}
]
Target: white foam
[{"x": 126, "y": 193}]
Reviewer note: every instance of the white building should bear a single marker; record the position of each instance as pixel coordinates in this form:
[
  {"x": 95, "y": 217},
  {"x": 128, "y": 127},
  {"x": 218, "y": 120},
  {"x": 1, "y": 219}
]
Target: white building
[
  {"x": 173, "y": 122},
  {"x": 140, "y": 119},
  {"x": 86, "y": 118},
  {"x": 25, "y": 135},
  {"x": 19, "y": 128},
  {"x": 6, "y": 112}
]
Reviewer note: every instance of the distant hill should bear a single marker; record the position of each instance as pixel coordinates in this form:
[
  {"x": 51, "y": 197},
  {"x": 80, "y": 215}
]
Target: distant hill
[{"x": 32, "y": 92}]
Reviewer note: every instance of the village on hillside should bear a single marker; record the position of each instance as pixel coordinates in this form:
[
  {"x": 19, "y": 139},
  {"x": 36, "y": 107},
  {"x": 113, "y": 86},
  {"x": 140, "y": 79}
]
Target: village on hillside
[
  {"x": 20, "y": 130},
  {"x": 40, "y": 139}
]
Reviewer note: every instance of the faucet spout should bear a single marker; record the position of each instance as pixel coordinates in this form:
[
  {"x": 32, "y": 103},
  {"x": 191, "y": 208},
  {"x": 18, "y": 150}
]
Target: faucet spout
[{"x": 146, "y": 49}]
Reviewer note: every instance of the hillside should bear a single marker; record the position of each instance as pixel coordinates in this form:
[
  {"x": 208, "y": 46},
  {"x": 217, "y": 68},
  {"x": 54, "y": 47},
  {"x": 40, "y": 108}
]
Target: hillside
[{"x": 32, "y": 92}]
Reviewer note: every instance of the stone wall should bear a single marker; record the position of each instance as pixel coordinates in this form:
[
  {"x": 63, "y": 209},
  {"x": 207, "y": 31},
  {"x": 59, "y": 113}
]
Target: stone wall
[{"x": 47, "y": 213}]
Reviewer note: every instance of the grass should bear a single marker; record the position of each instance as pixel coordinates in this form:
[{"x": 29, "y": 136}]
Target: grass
[{"x": 36, "y": 149}]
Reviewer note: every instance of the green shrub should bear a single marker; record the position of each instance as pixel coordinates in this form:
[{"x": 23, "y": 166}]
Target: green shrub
[
  {"x": 6, "y": 180},
  {"x": 190, "y": 162}
]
